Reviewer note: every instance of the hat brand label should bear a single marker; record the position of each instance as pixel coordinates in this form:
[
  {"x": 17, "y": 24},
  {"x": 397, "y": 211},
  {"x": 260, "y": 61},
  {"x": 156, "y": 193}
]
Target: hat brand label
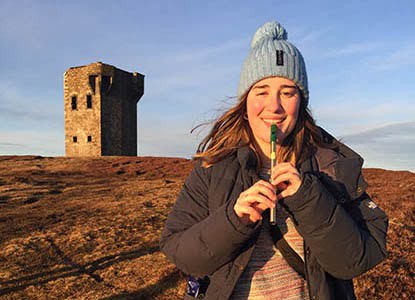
[{"x": 280, "y": 58}]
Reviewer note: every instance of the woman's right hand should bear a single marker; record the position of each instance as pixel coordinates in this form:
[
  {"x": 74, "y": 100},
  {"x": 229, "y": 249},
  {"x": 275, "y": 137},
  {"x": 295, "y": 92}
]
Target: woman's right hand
[{"x": 253, "y": 201}]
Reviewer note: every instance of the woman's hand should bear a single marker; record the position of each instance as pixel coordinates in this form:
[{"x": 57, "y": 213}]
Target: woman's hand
[
  {"x": 286, "y": 178},
  {"x": 253, "y": 201}
]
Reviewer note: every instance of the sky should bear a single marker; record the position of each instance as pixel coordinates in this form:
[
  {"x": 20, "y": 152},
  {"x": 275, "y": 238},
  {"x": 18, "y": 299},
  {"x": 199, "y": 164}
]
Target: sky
[{"x": 360, "y": 58}]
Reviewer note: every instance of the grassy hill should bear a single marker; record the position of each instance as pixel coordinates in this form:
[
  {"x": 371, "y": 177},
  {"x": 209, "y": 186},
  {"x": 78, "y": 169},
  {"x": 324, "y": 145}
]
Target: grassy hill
[{"x": 88, "y": 228}]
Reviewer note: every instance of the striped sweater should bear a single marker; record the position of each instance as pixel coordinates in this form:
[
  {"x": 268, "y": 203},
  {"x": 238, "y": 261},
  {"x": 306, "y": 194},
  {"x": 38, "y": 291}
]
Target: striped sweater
[{"x": 268, "y": 275}]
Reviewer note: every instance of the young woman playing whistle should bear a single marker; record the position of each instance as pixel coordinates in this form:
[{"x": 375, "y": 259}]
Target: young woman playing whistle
[{"x": 327, "y": 228}]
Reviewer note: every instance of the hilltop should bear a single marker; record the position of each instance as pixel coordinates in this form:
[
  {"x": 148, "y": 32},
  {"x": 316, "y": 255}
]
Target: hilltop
[{"x": 88, "y": 228}]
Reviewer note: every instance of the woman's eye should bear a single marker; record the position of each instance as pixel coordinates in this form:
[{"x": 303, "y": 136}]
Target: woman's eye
[
  {"x": 261, "y": 94},
  {"x": 288, "y": 94}
]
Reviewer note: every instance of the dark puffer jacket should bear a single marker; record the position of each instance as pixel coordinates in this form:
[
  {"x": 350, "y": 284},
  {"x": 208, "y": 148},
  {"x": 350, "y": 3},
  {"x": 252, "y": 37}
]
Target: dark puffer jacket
[{"x": 344, "y": 231}]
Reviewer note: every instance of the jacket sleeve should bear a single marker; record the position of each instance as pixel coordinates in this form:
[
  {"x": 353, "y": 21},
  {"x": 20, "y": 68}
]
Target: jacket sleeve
[
  {"x": 197, "y": 241},
  {"x": 346, "y": 239}
]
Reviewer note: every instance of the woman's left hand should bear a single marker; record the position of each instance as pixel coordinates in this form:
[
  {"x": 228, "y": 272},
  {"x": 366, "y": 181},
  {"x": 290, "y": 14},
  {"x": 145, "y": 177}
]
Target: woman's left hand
[{"x": 286, "y": 178}]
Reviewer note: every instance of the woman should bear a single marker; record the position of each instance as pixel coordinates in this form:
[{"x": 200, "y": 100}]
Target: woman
[{"x": 328, "y": 230}]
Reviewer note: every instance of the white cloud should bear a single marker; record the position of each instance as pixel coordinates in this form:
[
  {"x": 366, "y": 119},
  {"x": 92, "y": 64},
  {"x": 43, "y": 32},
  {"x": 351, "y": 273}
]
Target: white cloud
[
  {"x": 169, "y": 136},
  {"x": 403, "y": 57},
  {"x": 21, "y": 142},
  {"x": 404, "y": 130},
  {"x": 352, "y": 49},
  {"x": 181, "y": 76},
  {"x": 11, "y": 145},
  {"x": 388, "y": 147},
  {"x": 204, "y": 53},
  {"x": 173, "y": 142},
  {"x": 189, "y": 77},
  {"x": 304, "y": 37},
  {"x": 18, "y": 106},
  {"x": 349, "y": 116}
]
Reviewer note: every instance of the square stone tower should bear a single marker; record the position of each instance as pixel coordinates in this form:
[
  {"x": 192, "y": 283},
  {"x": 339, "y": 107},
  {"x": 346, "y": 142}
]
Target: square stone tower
[{"x": 100, "y": 103}]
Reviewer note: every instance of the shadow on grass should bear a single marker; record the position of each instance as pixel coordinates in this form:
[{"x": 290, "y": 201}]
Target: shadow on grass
[
  {"x": 149, "y": 292},
  {"x": 73, "y": 268}
]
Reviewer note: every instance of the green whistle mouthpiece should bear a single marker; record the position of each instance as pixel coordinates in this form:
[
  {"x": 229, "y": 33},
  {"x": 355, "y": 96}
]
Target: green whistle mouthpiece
[{"x": 273, "y": 133}]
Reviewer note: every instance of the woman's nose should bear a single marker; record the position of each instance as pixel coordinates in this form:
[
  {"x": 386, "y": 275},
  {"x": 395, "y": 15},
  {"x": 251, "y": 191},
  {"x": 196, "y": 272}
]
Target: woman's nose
[{"x": 274, "y": 103}]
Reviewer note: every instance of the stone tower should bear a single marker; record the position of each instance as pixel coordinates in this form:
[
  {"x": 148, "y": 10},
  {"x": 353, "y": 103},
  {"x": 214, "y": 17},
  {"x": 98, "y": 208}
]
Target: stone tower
[{"x": 100, "y": 104}]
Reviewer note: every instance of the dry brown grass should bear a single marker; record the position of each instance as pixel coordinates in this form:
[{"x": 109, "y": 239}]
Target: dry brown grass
[{"x": 79, "y": 228}]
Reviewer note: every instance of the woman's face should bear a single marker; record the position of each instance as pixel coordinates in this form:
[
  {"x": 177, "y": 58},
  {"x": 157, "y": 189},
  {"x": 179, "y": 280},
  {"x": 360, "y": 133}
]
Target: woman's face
[{"x": 272, "y": 100}]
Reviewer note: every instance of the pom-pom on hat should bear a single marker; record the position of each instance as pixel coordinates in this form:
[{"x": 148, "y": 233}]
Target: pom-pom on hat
[{"x": 272, "y": 55}]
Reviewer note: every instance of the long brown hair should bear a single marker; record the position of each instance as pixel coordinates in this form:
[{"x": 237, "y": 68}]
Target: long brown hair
[{"x": 231, "y": 131}]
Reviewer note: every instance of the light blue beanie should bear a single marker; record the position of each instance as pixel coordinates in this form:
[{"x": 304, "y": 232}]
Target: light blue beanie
[{"x": 272, "y": 55}]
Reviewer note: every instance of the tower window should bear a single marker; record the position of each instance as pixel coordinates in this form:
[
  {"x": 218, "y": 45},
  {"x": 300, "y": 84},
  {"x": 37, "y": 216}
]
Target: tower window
[
  {"x": 73, "y": 103},
  {"x": 89, "y": 138},
  {"x": 74, "y": 139},
  {"x": 92, "y": 81},
  {"x": 88, "y": 101}
]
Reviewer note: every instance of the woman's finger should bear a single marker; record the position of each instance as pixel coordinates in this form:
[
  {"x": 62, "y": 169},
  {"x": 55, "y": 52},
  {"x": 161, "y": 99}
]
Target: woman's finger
[
  {"x": 265, "y": 188},
  {"x": 281, "y": 169},
  {"x": 252, "y": 202},
  {"x": 249, "y": 211},
  {"x": 251, "y": 199},
  {"x": 292, "y": 178},
  {"x": 259, "y": 207}
]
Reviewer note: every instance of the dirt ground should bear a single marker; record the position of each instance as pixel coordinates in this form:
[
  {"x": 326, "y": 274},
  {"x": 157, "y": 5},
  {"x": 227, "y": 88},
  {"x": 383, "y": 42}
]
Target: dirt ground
[{"x": 88, "y": 228}]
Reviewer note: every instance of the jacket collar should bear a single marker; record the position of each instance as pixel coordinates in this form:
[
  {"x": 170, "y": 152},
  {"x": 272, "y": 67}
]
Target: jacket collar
[
  {"x": 344, "y": 168},
  {"x": 247, "y": 159}
]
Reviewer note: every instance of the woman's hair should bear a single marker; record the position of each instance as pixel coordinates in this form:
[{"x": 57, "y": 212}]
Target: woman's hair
[{"x": 232, "y": 130}]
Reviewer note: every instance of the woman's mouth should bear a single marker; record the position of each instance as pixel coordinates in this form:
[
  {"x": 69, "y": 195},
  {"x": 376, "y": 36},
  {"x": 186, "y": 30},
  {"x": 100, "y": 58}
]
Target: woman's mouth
[{"x": 273, "y": 121}]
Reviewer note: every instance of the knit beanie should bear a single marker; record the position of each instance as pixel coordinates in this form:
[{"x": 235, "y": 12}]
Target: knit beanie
[{"x": 272, "y": 55}]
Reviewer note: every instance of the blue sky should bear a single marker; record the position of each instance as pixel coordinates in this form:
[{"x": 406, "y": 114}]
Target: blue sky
[{"x": 360, "y": 58}]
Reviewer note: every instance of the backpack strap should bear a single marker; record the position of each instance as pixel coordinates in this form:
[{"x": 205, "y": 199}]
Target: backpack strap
[{"x": 289, "y": 254}]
